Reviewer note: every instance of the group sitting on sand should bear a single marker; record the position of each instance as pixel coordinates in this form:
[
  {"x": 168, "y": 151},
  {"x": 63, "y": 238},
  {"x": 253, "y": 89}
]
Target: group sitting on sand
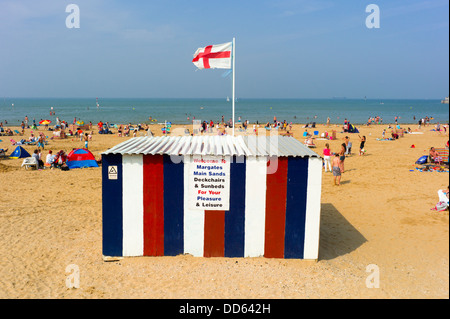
[{"x": 57, "y": 160}]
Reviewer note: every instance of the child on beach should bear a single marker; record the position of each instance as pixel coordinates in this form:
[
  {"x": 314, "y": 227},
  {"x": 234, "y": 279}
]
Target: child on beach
[
  {"x": 40, "y": 143},
  {"x": 342, "y": 156},
  {"x": 327, "y": 157},
  {"x": 86, "y": 139},
  {"x": 348, "y": 145},
  {"x": 361, "y": 146},
  {"x": 337, "y": 170}
]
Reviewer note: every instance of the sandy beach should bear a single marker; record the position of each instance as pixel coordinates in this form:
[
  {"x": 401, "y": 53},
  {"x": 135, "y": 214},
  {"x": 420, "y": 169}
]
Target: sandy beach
[{"x": 381, "y": 215}]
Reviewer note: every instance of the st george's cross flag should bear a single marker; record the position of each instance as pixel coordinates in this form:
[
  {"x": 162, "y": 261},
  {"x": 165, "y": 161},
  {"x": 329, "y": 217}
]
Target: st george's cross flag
[{"x": 217, "y": 56}]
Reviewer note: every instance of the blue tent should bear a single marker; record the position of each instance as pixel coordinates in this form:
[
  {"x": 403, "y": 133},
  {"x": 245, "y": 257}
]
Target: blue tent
[
  {"x": 352, "y": 129},
  {"x": 19, "y": 152}
]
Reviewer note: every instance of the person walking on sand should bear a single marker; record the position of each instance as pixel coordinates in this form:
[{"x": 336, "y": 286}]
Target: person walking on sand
[
  {"x": 348, "y": 145},
  {"x": 40, "y": 143},
  {"x": 86, "y": 139},
  {"x": 327, "y": 157},
  {"x": 337, "y": 170},
  {"x": 342, "y": 156},
  {"x": 361, "y": 146}
]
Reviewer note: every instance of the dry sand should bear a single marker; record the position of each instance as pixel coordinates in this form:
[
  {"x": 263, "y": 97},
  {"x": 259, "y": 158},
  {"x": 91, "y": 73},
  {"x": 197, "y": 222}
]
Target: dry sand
[{"x": 380, "y": 215}]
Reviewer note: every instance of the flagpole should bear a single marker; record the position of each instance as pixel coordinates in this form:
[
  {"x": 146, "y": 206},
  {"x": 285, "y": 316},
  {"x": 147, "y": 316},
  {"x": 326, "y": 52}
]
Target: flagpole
[{"x": 234, "y": 79}]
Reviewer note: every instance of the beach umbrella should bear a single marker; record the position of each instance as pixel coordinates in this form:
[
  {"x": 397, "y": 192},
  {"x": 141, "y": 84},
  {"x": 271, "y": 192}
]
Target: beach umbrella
[
  {"x": 80, "y": 122},
  {"x": 45, "y": 122}
]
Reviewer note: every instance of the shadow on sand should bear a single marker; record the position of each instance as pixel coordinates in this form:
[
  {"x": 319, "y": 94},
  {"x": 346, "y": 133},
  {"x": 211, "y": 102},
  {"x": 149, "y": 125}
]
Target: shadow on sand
[{"x": 337, "y": 236}]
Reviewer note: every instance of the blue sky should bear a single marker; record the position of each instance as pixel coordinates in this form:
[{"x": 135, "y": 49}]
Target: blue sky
[{"x": 284, "y": 49}]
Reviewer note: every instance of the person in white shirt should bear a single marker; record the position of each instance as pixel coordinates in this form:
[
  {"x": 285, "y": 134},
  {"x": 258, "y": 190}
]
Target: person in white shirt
[{"x": 50, "y": 158}]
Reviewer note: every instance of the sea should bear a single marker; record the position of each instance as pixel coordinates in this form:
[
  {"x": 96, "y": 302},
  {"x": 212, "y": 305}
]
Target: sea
[{"x": 183, "y": 111}]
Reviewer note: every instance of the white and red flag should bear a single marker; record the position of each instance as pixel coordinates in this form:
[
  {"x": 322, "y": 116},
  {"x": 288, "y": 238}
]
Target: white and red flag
[{"x": 217, "y": 56}]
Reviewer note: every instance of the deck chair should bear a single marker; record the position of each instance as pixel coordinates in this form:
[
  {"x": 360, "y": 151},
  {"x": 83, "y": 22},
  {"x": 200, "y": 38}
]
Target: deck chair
[
  {"x": 30, "y": 162},
  {"x": 443, "y": 155},
  {"x": 17, "y": 132}
]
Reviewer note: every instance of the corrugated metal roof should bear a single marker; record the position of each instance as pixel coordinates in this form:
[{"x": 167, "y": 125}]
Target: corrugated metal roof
[{"x": 281, "y": 146}]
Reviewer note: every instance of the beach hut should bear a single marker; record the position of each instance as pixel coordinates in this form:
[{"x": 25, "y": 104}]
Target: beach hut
[
  {"x": 81, "y": 158},
  {"x": 211, "y": 196},
  {"x": 19, "y": 152}
]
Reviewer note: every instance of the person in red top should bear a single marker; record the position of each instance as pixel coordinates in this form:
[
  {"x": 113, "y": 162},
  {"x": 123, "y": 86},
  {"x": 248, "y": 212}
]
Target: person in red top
[{"x": 327, "y": 157}]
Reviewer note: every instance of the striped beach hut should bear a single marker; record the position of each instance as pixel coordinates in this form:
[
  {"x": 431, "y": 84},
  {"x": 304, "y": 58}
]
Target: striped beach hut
[{"x": 211, "y": 196}]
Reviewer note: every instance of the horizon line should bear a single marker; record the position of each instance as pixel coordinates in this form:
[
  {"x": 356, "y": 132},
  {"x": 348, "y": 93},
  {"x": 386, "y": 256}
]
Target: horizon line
[{"x": 219, "y": 98}]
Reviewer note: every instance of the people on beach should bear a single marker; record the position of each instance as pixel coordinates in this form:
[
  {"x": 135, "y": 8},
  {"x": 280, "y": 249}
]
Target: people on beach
[
  {"x": 86, "y": 140},
  {"x": 309, "y": 142},
  {"x": 337, "y": 170},
  {"x": 433, "y": 155},
  {"x": 361, "y": 145},
  {"x": 348, "y": 145},
  {"x": 49, "y": 160},
  {"x": 327, "y": 157},
  {"x": 306, "y": 133},
  {"x": 37, "y": 156},
  {"x": 40, "y": 143},
  {"x": 443, "y": 203},
  {"x": 342, "y": 156}
]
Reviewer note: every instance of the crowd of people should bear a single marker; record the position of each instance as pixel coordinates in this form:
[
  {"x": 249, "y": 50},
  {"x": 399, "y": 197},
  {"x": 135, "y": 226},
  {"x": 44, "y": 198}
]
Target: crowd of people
[{"x": 334, "y": 162}]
